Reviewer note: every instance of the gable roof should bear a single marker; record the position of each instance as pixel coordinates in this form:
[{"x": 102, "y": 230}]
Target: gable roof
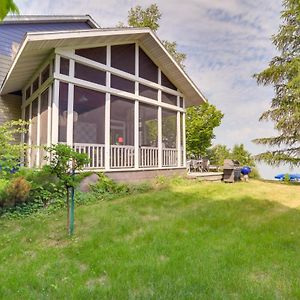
[
  {"x": 40, "y": 19},
  {"x": 37, "y": 46}
]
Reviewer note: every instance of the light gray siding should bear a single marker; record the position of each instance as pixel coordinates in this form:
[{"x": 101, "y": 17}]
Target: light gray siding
[
  {"x": 10, "y": 108},
  {"x": 11, "y": 35}
]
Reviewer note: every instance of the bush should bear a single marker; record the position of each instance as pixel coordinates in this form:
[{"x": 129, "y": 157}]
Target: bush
[{"x": 17, "y": 191}]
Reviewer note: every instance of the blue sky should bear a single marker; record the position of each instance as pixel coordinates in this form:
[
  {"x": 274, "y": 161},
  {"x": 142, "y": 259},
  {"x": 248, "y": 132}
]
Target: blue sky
[{"x": 226, "y": 42}]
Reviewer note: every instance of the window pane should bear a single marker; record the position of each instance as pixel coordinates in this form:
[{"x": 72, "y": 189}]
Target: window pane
[
  {"x": 63, "y": 112},
  {"x": 123, "y": 57},
  {"x": 168, "y": 98},
  {"x": 148, "y": 70},
  {"x": 181, "y": 102},
  {"x": 97, "y": 54},
  {"x": 35, "y": 85},
  {"x": 122, "y": 121},
  {"x": 44, "y": 118},
  {"x": 33, "y": 131},
  {"x": 64, "y": 66},
  {"x": 148, "y": 92},
  {"x": 122, "y": 84},
  {"x": 88, "y": 116},
  {"x": 45, "y": 74},
  {"x": 148, "y": 126},
  {"x": 28, "y": 92},
  {"x": 166, "y": 82},
  {"x": 169, "y": 131},
  {"x": 90, "y": 74}
]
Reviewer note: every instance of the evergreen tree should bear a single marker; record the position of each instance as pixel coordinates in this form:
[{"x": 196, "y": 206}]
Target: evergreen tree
[{"x": 283, "y": 74}]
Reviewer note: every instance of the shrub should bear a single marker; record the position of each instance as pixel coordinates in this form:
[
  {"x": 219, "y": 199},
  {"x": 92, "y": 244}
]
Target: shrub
[{"x": 17, "y": 191}]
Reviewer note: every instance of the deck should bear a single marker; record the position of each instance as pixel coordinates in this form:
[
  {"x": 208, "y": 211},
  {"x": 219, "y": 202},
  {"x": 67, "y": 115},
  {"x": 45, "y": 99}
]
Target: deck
[{"x": 206, "y": 176}]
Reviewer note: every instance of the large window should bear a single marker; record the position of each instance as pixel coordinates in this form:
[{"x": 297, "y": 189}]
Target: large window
[
  {"x": 123, "y": 57},
  {"x": 169, "y": 128},
  {"x": 63, "y": 112},
  {"x": 90, "y": 74},
  {"x": 122, "y": 84},
  {"x": 148, "y": 92},
  {"x": 44, "y": 118},
  {"x": 121, "y": 121},
  {"x": 88, "y": 116},
  {"x": 33, "y": 132},
  {"x": 148, "y": 69},
  {"x": 43, "y": 124},
  {"x": 166, "y": 82},
  {"x": 97, "y": 54},
  {"x": 148, "y": 125},
  {"x": 168, "y": 98}
]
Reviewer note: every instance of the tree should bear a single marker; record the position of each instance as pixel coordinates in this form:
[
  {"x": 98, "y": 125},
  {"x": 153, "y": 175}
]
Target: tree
[
  {"x": 218, "y": 154},
  {"x": 200, "y": 123},
  {"x": 64, "y": 162},
  {"x": 149, "y": 17},
  {"x": 172, "y": 49},
  {"x": 283, "y": 73},
  {"x": 6, "y": 7},
  {"x": 10, "y": 149},
  {"x": 243, "y": 156}
]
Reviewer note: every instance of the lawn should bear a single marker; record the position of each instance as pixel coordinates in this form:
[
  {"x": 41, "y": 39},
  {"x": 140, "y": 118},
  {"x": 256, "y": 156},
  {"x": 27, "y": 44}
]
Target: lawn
[{"x": 191, "y": 240}]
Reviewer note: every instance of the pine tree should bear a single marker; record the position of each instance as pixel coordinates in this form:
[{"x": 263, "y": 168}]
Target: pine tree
[{"x": 284, "y": 74}]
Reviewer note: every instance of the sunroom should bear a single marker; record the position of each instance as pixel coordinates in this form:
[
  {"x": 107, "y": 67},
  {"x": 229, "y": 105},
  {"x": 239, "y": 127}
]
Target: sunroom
[{"x": 116, "y": 95}]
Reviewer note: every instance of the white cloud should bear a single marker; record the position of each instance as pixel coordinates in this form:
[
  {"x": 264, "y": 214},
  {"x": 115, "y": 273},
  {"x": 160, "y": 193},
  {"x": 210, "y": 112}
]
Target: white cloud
[{"x": 226, "y": 43}]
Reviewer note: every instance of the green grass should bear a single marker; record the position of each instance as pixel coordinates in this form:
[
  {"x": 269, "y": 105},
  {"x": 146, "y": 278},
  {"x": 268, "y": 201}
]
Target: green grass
[{"x": 190, "y": 241}]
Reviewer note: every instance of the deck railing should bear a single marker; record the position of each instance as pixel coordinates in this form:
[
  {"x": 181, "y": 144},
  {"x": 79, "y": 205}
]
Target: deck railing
[
  {"x": 169, "y": 157},
  {"x": 148, "y": 157},
  {"x": 121, "y": 156},
  {"x": 94, "y": 151}
]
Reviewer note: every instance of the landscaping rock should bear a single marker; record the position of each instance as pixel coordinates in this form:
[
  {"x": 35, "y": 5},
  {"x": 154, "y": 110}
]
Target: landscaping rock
[{"x": 85, "y": 183}]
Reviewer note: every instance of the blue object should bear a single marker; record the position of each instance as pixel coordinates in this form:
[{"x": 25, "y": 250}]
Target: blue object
[
  {"x": 245, "y": 170},
  {"x": 291, "y": 177}
]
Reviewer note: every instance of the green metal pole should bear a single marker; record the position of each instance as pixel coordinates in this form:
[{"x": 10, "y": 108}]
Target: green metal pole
[{"x": 72, "y": 207}]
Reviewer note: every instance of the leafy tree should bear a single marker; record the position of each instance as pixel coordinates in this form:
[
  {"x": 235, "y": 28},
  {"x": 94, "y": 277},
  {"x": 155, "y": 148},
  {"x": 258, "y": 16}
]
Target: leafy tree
[
  {"x": 283, "y": 74},
  {"x": 64, "y": 162},
  {"x": 149, "y": 17},
  {"x": 6, "y": 7},
  {"x": 200, "y": 123},
  {"x": 243, "y": 156},
  {"x": 10, "y": 149},
  {"x": 218, "y": 154},
  {"x": 172, "y": 49}
]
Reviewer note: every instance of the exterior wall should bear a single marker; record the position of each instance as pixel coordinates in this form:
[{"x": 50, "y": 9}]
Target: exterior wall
[
  {"x": 10, "y": 108},
  {"x": 81, "y": 87},
  {"x": 11, "y": 35},
  {"x": 144, "y": 175}
]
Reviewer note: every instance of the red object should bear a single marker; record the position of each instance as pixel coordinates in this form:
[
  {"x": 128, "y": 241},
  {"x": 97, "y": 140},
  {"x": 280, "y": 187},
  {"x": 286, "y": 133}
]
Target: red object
[{"x": 120, "y": 140}]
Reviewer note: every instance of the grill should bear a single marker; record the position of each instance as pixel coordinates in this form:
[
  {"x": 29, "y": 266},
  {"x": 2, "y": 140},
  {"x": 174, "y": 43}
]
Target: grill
[{"x": 232, "y": 170}]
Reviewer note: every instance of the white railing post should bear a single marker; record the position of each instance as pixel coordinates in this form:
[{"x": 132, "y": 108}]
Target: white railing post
[
  {"x": 136, "y": 134},
  {"x": 159, "y": 127},
  {"x": 184, "y": 139},
  {"x": 136, "y": 112},
  {"x": 178, "y": 135},
  {"x": 55, "y": 102},
  {"x": 107, "y": 156},
  {"x": 70, "y": 105}
]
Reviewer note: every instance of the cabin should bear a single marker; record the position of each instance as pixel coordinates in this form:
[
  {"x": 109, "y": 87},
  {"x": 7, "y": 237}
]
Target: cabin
[{"x": 115, "y": 94}]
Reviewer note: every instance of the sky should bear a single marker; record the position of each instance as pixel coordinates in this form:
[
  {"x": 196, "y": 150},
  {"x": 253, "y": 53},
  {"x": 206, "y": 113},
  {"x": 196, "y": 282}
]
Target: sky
[{"x": 226, "y": 42}]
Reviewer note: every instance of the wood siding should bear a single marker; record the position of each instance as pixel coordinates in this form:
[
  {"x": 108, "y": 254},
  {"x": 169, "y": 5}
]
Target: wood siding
[{"x": 11, "y": 35}]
